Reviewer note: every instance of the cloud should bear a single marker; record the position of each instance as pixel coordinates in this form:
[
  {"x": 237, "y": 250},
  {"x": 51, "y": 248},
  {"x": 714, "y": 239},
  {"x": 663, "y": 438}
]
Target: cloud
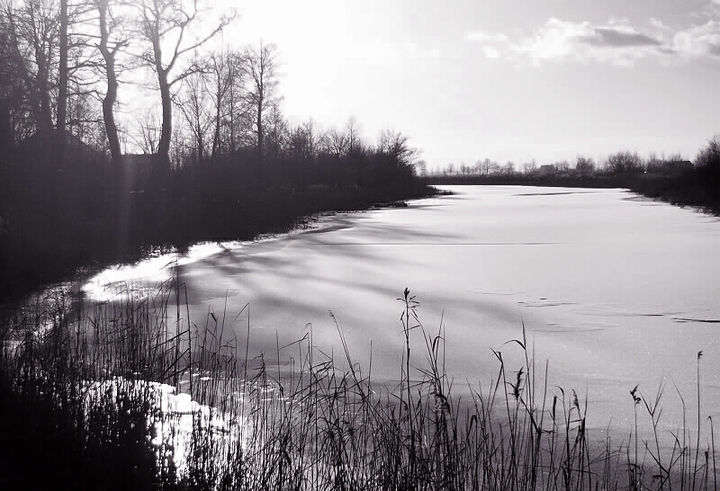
[
  {"x": 486, "y": 38},
  {"x": 554, "y": 40},
  {"x": 658, "y": 25},
  {"x": 491, "y": 52},
  {"x": 615, "y": 42},
  {"x": 698, "y": 41},
  {"x": 609, "y": 37}
]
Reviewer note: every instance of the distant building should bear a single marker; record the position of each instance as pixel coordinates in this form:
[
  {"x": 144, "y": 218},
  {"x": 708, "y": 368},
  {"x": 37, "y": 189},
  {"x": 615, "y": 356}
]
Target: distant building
[{"x": 546, "y": 170}]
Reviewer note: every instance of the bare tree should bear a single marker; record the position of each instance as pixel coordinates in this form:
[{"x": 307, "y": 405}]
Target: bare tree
[
  {"x": 303, "y": 142},
  {"x": 164, "y": 24},
  {"x": 262, "y": 71},
  {"x": 709, "y": 157},
  {"x": 150, "y": 129},
  {"x": 585, "y": 165},
  {"x": 62, "y": 76},
  {"x": 335, "y": 143},
  {"x": 195, "y": 107},
  {"x": 276, "y": 137},
  {"x": 487, "y": 165},
  {"x": 397, "y": 147},
  {"x": 15, "y": 119},
  {"x": 225, "y": 78},
  {"x": 33, "y": 32},
  {"x": 624, "y": 162},
  {"x": 352, "y": 132},
  {"x": 219, "y": 82},
  {"x": 562, "y": 166},
  {"x": 45, "y": 64},
  {"x": 110, "y": 44}
]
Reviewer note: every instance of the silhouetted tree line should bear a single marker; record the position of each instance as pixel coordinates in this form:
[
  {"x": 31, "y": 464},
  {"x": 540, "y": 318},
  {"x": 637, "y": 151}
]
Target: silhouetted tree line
[
  {"x": 671, "y": 179},
  {"x": 218, "y": 162},
  {"x": 698, "y": 186},
  {"x": 618, "y": 165}
]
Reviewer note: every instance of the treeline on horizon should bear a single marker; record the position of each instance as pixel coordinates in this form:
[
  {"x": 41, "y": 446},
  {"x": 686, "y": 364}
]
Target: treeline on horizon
[
  {"x": 672, "y": 179},
  {"x": 217, "y": 161}
]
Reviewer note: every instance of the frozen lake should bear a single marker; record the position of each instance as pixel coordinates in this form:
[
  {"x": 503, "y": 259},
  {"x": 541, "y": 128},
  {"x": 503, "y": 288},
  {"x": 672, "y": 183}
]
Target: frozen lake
[{"x": 614, "y": 291}]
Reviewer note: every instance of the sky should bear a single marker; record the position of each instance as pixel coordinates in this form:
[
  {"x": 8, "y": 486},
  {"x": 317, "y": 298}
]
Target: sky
[{"x": 506, "y": 80}]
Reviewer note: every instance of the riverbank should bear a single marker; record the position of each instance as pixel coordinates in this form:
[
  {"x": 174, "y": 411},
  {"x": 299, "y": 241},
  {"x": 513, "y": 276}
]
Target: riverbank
[
  {"x": 698, "y": 189},
  {"x": 63, "y": 224}
]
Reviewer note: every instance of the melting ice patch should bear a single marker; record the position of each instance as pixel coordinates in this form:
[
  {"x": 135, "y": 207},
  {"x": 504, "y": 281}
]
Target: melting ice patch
[
  {"x": 148, "y": 275},
  {"x": 172, "y": 418}
]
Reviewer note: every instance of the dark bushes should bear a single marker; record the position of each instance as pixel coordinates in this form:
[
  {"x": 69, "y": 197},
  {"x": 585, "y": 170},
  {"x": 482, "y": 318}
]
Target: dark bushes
[
  {"x": 56, "y": 217},
  {"x": 698, "y": 187}
]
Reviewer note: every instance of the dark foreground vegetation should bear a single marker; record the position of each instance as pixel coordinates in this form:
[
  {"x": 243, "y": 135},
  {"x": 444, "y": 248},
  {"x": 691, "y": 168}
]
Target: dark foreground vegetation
[
  {"x": 79, "y": 411},
  {"x": 673, "y": 179}
]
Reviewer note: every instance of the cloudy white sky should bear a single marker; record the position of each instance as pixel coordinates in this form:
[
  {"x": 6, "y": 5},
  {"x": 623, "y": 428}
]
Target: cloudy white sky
[{"x": 508, "y": 80}]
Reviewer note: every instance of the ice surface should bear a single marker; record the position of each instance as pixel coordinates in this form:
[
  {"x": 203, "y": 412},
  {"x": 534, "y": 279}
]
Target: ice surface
[{"x": 613, "y": 290}]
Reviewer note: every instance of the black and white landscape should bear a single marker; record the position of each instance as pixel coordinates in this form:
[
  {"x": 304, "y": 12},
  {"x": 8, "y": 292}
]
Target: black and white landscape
[{"x": 375, "y": 245}]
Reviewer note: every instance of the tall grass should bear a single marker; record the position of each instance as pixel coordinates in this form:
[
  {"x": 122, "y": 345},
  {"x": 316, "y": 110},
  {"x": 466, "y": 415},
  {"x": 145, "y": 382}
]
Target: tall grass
[{"x": 99, "y": 397}]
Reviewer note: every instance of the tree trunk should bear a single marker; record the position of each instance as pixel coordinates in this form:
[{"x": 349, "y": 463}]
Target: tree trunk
[
  {"x": 232, "y": 115},
  {"x": 112, "y": 86},
  {"x": 260, "y": 132},
  {"x": 109, "y": 116},
  {"x": 45, "y": 123},
  {"x": 216, "y": 134},
  {"x": 63, "y": 73},
  {"x": 166, "y": 131},
  {"x": 6, "y": 131},
  {"x": 200, "y": 140}
]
